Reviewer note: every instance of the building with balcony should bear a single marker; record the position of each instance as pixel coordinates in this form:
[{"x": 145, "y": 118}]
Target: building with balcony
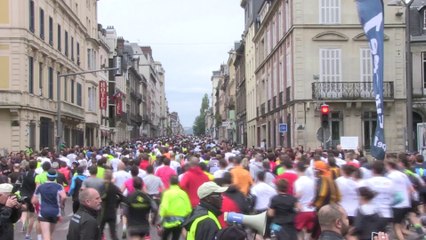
[
  {"x": 154, "y": 74},
  {"x": 220, "y": 80},
  {"x": 251, "y": 9},
  {"x": 38, "y": 41},
  {"x": 240, "y": 96},
  {"x": 417, "y": 28},
  {"x": 309, "y": 53}
]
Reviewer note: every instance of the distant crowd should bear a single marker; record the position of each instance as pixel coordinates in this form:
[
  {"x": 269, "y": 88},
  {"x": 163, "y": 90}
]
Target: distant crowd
[{"x": 181, "y": 187}]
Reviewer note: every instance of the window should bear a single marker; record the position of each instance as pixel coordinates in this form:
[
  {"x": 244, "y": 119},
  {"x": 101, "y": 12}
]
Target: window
[
  {"x": 72, "y": 91},
  {"x": 92, "y": 99},
  {"x": 424, "y": 19},
  {"x": 40, "y": 79},
  {"x": 50, "y": 79},
  {"x": 280, "y": 25},
  {"x": 41, "y": 23},
  {"x": 89, "y": 58},
  {"x": 329, "y": 11},
  {"x": 66, "y": 43},
  {"x": 287, "y": 16},
  {"x": 30, "y": 75},
  {"x": 370, "y": 122},
  {"x": 51, "y": 31},
  {"x": 78, "y": 53},
  {"x": 79, "y": 101},
  {"x": 424, "y": 68},
  {"x": 59, "y": 37},
  {"x": 65, "y": 89},
  {"x": 288, "y": 67},
  {"x": 366, "y": 71},
  {"x": 330, "y": 65},
  {"x": 31, "y": 13},
  {"x": 72, "y": 49}
]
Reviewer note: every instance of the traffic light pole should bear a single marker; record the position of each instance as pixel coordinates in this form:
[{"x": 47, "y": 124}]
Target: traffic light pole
[{"x": 325, "y": 122}]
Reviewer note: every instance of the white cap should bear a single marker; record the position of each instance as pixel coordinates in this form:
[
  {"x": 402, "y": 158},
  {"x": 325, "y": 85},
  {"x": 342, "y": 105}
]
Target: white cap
[
  {"x": 208, "y": 188},
  {"x": 6, "y": 188}
]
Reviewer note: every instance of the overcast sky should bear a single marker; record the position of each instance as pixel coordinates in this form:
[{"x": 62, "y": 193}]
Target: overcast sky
[{"x": 191, "y": 38}]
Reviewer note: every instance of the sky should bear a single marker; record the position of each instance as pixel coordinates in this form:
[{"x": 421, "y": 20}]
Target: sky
[{"x": 191, "y": 38}]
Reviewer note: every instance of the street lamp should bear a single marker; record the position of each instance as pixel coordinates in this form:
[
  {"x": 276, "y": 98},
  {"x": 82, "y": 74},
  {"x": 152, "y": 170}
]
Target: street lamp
[
  {"x": 59, "y": 101},
  {"x": 408, "y": 70}
]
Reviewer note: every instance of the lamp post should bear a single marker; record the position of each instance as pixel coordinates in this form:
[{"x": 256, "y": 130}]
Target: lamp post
[
  {"x": 408, "y": 70},
  {"x": 59, "y": 102}
]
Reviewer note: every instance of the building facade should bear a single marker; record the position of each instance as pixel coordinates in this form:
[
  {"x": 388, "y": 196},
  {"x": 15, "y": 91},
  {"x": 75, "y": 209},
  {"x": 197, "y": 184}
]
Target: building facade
[
  {"x": 40, "y": 40},
  {"x": 240, "y": 96},
  {"x": 313, "y": 53},
  {"x": 251, "y": 9},
  {"x": 417, "y": 28}
]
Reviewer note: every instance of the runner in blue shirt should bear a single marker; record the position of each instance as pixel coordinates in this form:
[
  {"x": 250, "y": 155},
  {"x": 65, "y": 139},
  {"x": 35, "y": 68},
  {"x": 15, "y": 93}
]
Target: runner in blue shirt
[{"x": 51, "y": 196}]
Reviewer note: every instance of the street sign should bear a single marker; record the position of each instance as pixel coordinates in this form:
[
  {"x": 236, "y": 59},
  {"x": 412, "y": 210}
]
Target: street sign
[{"x": 282, "y": 127}]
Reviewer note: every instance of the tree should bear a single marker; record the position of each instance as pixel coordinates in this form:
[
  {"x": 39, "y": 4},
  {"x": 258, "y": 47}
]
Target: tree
[{"x": 199, "y": 126}]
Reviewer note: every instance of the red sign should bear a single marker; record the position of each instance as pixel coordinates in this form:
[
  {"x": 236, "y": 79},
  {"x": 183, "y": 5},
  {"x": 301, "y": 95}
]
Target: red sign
[
  {"x": 118, "y": 105},
  {"x": 103, "y": 95}
]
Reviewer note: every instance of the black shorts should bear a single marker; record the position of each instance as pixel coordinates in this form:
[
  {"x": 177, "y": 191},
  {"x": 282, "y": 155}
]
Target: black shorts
[
  {"x": 137, "y": 231},
  {"x": 399, "y": 214},
  {"x": 53, "y": 220},
  {"x": 30, "y": 206}
]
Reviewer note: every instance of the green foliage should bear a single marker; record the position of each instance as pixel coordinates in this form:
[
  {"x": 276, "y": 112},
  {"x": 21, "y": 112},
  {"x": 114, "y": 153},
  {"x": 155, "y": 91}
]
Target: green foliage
[{"x": 199, "y": 127}]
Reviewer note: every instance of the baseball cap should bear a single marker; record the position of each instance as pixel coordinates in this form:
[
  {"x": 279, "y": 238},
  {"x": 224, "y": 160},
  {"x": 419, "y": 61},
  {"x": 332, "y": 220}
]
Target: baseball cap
[
  {"x": 6, "y": 188},
  {"x": 52, "y": 173},
  {"x": 55, "y": 165},
  {"x": 208, "y": 188}
]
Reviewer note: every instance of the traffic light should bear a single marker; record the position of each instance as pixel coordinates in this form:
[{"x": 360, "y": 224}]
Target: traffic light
[{"x": 325, "y": 112}]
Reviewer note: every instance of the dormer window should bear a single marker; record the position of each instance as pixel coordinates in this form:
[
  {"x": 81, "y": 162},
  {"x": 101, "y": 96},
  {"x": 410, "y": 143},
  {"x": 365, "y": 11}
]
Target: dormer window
[{"x": 424, "y": 19}]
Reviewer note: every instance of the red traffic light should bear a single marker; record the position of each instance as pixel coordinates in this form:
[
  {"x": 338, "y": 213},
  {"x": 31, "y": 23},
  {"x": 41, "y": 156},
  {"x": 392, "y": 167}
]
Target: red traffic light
[{"x": 325, "y": 109}]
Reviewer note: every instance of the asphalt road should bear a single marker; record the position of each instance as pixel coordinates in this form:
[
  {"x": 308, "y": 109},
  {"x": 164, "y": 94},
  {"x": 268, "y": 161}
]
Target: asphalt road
[{"x": 61, "y": 228}]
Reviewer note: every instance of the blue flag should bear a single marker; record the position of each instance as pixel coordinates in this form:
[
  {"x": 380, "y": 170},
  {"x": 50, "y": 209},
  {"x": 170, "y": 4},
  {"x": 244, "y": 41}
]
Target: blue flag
[{"x": 370, "y": 13}]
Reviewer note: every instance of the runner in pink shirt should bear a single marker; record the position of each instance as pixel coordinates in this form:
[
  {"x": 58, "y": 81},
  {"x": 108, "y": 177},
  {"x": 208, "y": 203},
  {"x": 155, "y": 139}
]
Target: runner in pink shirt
[
  {"x": 128, "y": 184},
  {"x": 165, "y": 172}
]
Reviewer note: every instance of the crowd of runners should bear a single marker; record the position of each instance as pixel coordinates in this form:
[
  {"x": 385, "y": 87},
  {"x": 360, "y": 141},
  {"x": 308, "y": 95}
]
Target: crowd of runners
[{"x": 182, "y": 186}]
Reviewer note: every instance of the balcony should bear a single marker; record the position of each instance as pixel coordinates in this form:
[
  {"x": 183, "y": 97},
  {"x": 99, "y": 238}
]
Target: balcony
[
  {"x": 146, "y": 119},
  {"x": 136, "y": 118},
  {"x": 349, "y": 90},
  {"x": 274, "y": 102},
  {"x": 72, "y": 110},
  {"x": 122, "y": 118}
]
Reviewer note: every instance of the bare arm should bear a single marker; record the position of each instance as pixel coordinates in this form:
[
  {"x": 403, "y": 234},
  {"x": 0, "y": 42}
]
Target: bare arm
[{"x": 271, "y": 212}]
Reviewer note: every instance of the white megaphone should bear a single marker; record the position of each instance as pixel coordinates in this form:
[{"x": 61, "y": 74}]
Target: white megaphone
[{"x": 257, "y": 222}]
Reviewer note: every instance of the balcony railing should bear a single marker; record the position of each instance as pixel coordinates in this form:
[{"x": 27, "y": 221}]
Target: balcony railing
[
  {"x": 136, "y": 118},
  {"x": 348, "y": 90},
  {"x": 72, "y": 110}
]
